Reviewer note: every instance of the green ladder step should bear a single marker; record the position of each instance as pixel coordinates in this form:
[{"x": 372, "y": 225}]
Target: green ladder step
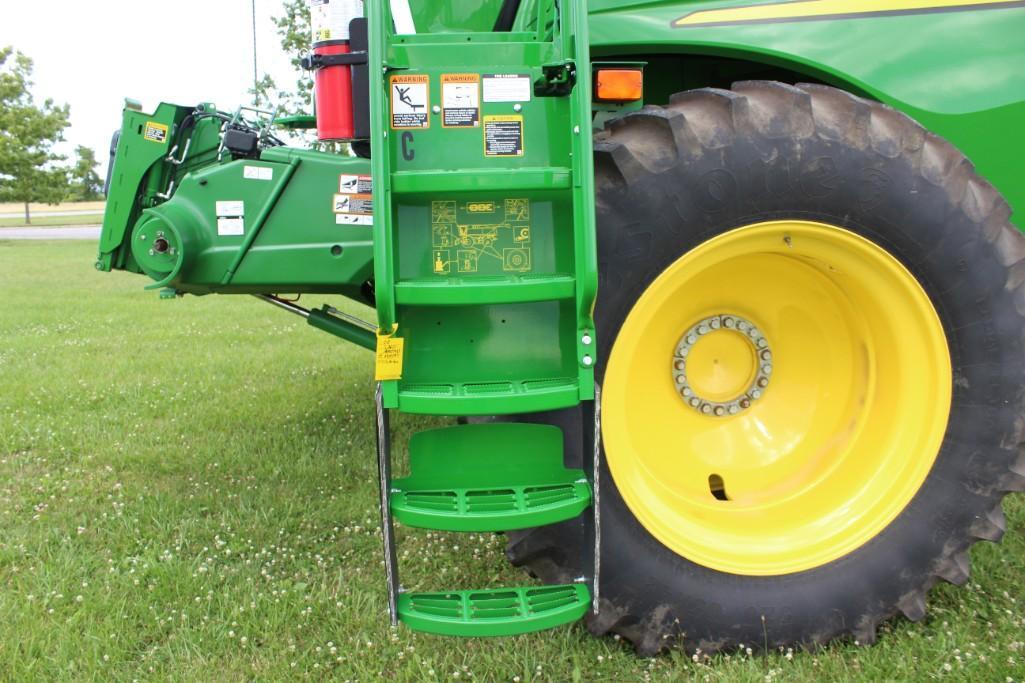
[
  {"x": 481, "y": 179},
  {"x": 496, "y": 612},
  {"x": 485, "y": 290},
  {"x": 500, "y": 397},
  {"x": 488, "y": 477}
]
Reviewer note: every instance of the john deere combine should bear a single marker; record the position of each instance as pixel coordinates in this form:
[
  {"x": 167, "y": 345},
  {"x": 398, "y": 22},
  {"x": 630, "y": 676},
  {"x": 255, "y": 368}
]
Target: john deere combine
[{"x": 749, "y": 319}]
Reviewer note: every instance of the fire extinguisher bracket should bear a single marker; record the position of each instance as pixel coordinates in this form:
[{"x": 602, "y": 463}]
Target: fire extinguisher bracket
[{"x": 315, "y": 61}]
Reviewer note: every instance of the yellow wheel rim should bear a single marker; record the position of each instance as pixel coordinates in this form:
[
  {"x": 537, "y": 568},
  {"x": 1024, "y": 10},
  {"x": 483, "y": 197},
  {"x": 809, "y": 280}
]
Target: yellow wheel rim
[{"x": 790, "y": 462}]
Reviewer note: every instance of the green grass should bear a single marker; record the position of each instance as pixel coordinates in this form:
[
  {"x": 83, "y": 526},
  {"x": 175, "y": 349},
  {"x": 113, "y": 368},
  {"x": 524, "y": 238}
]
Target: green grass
[
  {"x": 188, "y": 492},
  {"x": 51, "y": 221}
]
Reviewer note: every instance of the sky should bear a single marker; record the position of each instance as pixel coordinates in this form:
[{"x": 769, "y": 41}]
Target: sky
[{"x": 91, "y": 54}]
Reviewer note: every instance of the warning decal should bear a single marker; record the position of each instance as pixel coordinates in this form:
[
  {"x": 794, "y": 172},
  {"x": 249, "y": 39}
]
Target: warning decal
[
  {"x": 460, "y": 100},
  {"x": 481, "y": 237},
  {"x": 155, "y": 132},
  {"x": 354, "y": 204},
  {"x": 354, "y": 209},
  {"x": 503, "y": 136},
  {"x": 388, "y": 363},
  {"x": 507, "y": 88},
  {"x": 409, "y": 98}
]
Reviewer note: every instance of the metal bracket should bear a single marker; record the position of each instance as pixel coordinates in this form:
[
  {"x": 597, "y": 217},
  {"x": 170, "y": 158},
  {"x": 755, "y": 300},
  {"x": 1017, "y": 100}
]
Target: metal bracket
[
  {"x": 391, "y": 566},
  {"x": 557, "y": 80},
  {"x": 314, "y": 62}
]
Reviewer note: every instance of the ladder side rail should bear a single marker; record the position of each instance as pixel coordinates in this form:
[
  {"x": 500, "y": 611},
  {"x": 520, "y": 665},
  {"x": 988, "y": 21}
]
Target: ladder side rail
[
  {"x": 379, "y": 21},
  {"x": 391, "y": 564},
  {"x": 574, "y": 20}
]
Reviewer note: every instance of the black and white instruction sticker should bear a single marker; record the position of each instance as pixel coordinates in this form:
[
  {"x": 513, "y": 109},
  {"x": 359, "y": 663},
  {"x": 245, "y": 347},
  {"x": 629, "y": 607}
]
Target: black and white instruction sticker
[
  {"x": 231, "y": 218},
  {"x": 355, "y": 184},
  {"x": 460, "y": 100},
  {"x": 503, "y": 136},
  {"x": 507, "y": 87},
  {"x": 354, "y": 209},
  {"x": 409, "y": 100}
]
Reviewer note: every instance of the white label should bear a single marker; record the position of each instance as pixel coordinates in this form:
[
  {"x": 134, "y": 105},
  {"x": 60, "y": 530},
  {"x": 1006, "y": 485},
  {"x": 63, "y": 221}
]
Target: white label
[
  {"x": 507, "y": 88},
  {"x": 353, "y": 219},
  {"x": 330, "y": 18},
  {"x": 231, "y": 226},
  {"x": 258, "y": 173},
  {"x": 231, "y": 209}
]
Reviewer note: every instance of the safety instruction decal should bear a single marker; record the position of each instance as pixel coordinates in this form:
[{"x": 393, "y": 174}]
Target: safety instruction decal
[
  {"x": 409, "y": 100},
  {"x": 390, "y": 350},
  {"x": 354, "y": 204},
  {"x": 503, "y": 136},
  {"x": 460, "y": 100},
  {"x": 258, "y": 173},
  {"x": 330, "y": 19},
  {"x": 231, "y": 220},
  {"x": 507, "y": 87},
  {"x": 481, "y": 236},
  {"x": 155, "y": 132}
]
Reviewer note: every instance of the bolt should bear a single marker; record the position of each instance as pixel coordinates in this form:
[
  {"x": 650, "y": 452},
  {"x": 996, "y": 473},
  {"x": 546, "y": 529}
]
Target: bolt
[
  {"x": 679, "y": 365},
  {"x": 742, "y": 326},
  {"x": 745, "y": 404},
  {"x": 681, "y": 379},
  {"x": 763, "y": 342},
  {"x": 716, "y": 324},
  {"x": 142, "y": 237},
  {"x": 695, "y": 402},
  {"x": 729, "y": 322},
  {"x": 576, "y": 130},
  {"x": 767, "y": 368},
  {"x": 706, "y": 409},
  {"x": 763, "y": 382},
  {"x": 704, "y": 330},
  {"x": 517, "y": 107},
  {"x": 436, "y": 109},
  {"x": 734, "y": 409},
  {"x": 687, "y": 392},
  {"x": 588, "y": 361},
  {"x": 586, "y": 340},
  {"x": 756, "y": 394},
  {"x": 151, "y": 252},
  {"x": 720, "y": 411},
  {"x": 692, "y": 339},
  {"x": 684, "y": 350}
]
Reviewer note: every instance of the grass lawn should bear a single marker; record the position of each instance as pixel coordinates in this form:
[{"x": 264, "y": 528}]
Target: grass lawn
[
  {"x": 51, "y": 221},
  {"x": 16, "y": 207},
  {"x": 188, "y": 492}
]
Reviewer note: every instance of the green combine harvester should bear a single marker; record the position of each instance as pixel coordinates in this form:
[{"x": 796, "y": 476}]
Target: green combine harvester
[{"x": 726, "y": 293}]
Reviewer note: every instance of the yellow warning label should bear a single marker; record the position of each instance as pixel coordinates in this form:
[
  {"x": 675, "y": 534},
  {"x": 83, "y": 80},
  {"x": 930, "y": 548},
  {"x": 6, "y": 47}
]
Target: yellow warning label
[
  {"x": 390, "y": 349},
  {"x": 481, "y": 237},
  {"x": 155, "y": 132},
  {"x": 503, "y": 136}
]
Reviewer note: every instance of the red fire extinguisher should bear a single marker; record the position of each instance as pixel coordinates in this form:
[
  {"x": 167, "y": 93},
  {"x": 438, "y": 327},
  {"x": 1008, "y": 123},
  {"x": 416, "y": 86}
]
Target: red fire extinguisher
[{"x": 330, "y": 20}]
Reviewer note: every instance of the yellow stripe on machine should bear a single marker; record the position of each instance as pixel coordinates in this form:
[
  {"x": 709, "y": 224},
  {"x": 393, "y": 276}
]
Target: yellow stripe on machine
[{"x": 831, "y": 9}]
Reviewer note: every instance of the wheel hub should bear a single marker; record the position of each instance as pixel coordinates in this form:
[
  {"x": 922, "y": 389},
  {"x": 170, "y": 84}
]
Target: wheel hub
[{"x": 722, "y": 365}]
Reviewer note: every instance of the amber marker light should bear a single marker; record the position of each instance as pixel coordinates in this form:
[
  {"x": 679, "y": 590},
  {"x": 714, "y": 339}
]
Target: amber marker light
[{"x": 619, "y": 85}]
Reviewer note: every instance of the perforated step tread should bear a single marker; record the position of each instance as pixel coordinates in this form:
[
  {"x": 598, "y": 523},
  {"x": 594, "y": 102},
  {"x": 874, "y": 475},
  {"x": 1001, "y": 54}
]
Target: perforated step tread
[
  {"x": 488, "y": 477},
  {"x": 496, "y": 612}
]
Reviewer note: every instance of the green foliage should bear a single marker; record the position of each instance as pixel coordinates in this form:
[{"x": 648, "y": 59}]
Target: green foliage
[
  {"x": 28, "y": 132},
  {"x": 86, "y": 184},
  {"x": 293, "y": 28}
]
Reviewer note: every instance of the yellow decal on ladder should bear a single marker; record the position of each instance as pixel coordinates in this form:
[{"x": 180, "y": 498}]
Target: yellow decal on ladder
[
  {"x": 805, "y": 10},
  {"x": 390, "y": 351}
]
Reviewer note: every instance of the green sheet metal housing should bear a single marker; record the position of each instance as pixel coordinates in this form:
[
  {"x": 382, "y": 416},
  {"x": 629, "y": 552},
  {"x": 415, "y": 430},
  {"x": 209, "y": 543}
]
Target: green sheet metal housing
[{"x": 957, "y": 72}]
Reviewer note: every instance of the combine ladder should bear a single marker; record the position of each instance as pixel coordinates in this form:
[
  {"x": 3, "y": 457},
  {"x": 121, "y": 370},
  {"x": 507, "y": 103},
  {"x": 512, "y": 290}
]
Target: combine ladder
[{"x": 485, "y": 279}]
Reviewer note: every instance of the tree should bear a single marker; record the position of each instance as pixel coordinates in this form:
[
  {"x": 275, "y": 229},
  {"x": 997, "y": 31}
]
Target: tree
[
  {"x": 28, "y": 170},
  {"x": 295, "y": 34},
  {"x": 86, "y": 184}
]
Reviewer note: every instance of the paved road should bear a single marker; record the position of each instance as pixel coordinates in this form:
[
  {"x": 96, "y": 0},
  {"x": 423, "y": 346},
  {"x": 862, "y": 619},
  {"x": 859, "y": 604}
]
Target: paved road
[
  {"x": 45, "y": 214},
  {"x": 70, "y": 232}
]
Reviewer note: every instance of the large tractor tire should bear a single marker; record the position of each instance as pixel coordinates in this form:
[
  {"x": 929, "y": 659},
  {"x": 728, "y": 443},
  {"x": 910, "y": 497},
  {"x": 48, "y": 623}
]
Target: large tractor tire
[{"x": 812, "y": 316}]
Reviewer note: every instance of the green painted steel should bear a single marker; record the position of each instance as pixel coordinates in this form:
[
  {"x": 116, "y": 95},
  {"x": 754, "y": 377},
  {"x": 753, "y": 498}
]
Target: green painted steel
[
  {"x": 957, "y": 71},
  {"x": 488, "y": 477},
  {"x": 497, "y": 612},
  {"x": 478, "y": 247}
]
